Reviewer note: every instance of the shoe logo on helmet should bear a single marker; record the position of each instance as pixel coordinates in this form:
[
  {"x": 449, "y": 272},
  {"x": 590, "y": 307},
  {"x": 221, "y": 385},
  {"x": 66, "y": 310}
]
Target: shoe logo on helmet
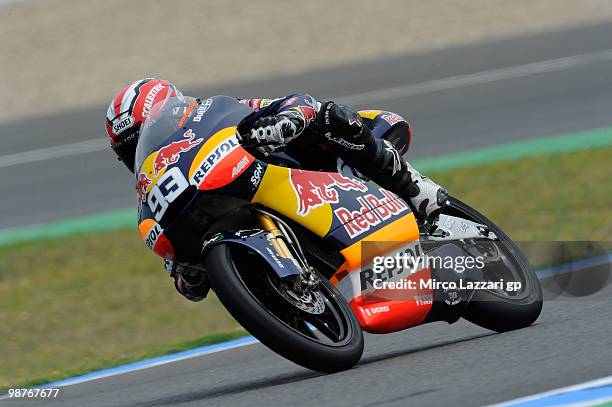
[{"x": 123, "y": 125}]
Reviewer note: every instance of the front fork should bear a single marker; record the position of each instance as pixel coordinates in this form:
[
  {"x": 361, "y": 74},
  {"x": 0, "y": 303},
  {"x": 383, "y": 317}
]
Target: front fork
[{"x": 278, "y": 237}]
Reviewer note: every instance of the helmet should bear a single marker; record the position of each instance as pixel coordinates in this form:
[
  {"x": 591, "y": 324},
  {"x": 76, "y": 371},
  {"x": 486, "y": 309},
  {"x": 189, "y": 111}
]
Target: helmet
[{"x": 129, "y": 109}]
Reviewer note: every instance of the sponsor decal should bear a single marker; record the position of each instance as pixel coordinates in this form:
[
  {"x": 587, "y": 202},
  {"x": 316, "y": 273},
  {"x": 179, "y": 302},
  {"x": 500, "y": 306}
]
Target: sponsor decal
[
  {"x": 372, "y": 211},
  {"x": 265, "y": 102},
  {"x": 256, "y": 177},
  {"x": 244, "y": 233},
  {"x": 314, "y": 189},
  {"x": 376, "y": 310},
  {"x": 153, "y": 236},
  {"x": 242, "y": 164},
  {"x": 309, "y": 113},
  {"x": 275, "y": 258},
  {"x": 371, "y": 279},
  {"x": 253, "y": 103},
  {"x": 393, "y": 118},
  {"x": 216, "y": 237},
  {"x": 122, "y": 125},
  {"x": 171, "y": 153},
  {"x": 150, "y": 99},
  {"x": 344, "y": 143},
  {"x": 142, "y": 184},
  {"x": 214, "y": 158},
  {"x": 425, "y": 299},
  {"x": 289, "y": 101},
  {"x": 355, "y": 121},
  {"x": 204, "y": 106}
]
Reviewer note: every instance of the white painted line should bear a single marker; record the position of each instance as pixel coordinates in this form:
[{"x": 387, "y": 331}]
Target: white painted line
[
  {"x": 478, "y": 78},
  {"x": 64, "y": 150},
  {"x": 605, "y": 381},
  {"x": 377, "y": 95}
]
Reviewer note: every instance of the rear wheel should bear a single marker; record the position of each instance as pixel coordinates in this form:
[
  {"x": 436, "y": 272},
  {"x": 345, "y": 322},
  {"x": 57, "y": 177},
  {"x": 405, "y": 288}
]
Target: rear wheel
[
  {"x": 315, "y": 329},
  {"x": 499, "y": 310}
]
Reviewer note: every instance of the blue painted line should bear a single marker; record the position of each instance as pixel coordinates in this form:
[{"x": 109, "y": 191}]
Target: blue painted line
[
  {"x": 575, "y": 265},
  {"x": 161, "y": 360},
  {"x": 591, "y": 395},
  {"x": 248, "y": 340}
]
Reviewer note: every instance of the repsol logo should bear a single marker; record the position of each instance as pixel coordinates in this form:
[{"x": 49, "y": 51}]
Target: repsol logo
[
  {"x": 152, "y": 237},
  {"x": 218, "y": 154},
  {"x": 368, "y": 276}
]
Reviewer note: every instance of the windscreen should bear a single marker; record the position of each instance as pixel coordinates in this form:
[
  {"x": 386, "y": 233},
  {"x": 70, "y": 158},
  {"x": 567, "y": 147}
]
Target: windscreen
[{"x": 163, "y": 120}]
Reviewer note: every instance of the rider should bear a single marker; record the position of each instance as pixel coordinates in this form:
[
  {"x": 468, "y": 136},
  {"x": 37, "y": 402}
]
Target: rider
[{"x": 294, "y": 120}]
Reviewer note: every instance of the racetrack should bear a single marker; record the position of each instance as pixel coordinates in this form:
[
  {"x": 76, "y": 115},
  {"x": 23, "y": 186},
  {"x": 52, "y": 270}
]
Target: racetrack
[
  {"x": 429, "y": 365},
  {"x": 455, "y": 117},
  {"x": 434, "y": 365}
]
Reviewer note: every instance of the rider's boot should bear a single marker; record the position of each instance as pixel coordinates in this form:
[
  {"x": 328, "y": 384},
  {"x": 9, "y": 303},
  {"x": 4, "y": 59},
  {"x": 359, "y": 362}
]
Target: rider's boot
[
  {"x": 390, "y": 171},
  {"x": 378, "y": 160}
]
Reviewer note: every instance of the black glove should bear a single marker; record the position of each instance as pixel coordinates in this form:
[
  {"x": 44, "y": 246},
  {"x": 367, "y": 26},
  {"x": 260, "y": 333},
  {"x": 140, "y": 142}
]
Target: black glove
[
  {"x": 190, "y": 281},
  {"x": 272, "y": 133}
]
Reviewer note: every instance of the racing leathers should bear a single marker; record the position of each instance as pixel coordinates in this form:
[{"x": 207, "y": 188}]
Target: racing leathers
[
  {"x": 371, "y": 141},
  {"x": 300, "y": 119}
]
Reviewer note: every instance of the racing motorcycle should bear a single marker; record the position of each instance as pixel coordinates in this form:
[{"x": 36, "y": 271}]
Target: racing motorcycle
[{"x": 294, "y": 253}]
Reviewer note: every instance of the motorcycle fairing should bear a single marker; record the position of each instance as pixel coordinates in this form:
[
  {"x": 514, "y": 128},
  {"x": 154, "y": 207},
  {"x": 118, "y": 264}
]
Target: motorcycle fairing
[
  {"x": 380, "y": 310},
  {"x": 186, "y": 149},
  {"x": 339, "y": 208}
]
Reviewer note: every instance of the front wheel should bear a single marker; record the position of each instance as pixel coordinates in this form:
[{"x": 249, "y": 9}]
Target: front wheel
[
  {"x": 496, "y": 310},
  {"x": 316, "y": 329}
]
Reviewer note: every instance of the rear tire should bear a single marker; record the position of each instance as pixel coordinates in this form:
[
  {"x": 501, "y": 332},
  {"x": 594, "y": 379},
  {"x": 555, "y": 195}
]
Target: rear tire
[
  {"x": 489, "y": 309},
  {"x": 276, "y": 334}
]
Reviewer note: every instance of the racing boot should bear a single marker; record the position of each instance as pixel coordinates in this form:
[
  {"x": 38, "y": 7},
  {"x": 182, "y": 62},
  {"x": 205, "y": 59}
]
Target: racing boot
[{"x": 389, "y": 170}]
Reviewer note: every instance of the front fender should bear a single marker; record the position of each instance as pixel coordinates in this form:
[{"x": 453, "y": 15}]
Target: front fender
[{"x": 257, "y": 241}]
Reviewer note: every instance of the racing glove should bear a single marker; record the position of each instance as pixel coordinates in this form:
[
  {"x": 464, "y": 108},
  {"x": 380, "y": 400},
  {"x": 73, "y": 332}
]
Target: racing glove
[
  {"x": 190, "y": 281},
  {"x": 273, "y": 133}
]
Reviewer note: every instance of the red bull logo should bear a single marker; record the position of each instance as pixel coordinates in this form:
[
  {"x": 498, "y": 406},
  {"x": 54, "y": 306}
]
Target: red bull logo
[
  {"x": 142, "y": 184},
  {"x": 313, "y": 189},
  {"x": 372, "y": 211},
  {"x": 171, "y": 153}
]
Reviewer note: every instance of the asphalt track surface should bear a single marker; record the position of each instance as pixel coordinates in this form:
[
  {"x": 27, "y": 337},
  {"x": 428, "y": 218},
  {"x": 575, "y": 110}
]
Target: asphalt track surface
[
  {"x": 436, "y": 364},
  {"x": 444, "y": 121}
]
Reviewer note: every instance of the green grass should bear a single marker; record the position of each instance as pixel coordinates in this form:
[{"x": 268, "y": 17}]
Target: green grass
[{"x": 89, "y": 302}]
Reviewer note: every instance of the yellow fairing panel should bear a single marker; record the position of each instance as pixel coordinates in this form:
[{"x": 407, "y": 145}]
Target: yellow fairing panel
[{"x": 276, "y": 192}]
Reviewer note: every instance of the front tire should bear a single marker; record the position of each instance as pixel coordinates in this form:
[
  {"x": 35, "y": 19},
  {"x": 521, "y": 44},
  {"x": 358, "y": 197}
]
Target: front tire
[
  {"x": 239, "y": 279},
  {"x": 490, "y": 309}
]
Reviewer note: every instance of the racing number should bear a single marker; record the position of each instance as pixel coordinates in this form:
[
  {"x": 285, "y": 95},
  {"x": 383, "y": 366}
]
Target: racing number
[{"x": 165, "y": 191}]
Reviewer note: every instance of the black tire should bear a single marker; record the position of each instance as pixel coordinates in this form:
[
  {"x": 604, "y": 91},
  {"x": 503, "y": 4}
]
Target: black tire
[
  {"x": 489, "y": 309},
  {"x": 250, "y": 312}
]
